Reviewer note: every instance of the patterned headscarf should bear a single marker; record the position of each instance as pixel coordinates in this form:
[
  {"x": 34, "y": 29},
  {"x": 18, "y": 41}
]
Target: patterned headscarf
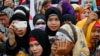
[{"x": 76, "y": 36}]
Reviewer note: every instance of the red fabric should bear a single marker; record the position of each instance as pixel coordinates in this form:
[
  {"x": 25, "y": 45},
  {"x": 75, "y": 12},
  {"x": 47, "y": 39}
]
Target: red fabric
[
  {"x": 79, "y": 2},
  {"x": 90, "y": 48},
  {"x": 97, "y": 24},
  {"x": 31, "y": 39},
  {"x": 98, "y": 2},
  {"x": 21, "y": 1}
]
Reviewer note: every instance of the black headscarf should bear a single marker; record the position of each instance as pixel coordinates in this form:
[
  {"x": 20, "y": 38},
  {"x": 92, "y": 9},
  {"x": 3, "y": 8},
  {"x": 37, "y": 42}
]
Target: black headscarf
[
  {"x": 52, "y": 10},
  {"x": 38, "y": 16},
  {"x": 22, "y": 42},
  {"x": 69, "y": 18},
  {"x": 22, "y": 8},
  {"x": 21, "y": 17},
  {"x": 43, "y": 40}
]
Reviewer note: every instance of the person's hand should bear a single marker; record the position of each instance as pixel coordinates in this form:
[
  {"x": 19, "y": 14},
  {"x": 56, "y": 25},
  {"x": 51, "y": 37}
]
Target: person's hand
[
  {"x": 61, "y": 47},
  {"x": 86, "y": 7},
  {"x": 92, "y": 17},
  {"x": 11, "y": 34},
  {"x": 53, "y": 48}
]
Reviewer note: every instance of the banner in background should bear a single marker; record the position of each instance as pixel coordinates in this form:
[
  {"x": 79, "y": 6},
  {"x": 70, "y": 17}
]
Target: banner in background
[{"x": 32, "y": 14}]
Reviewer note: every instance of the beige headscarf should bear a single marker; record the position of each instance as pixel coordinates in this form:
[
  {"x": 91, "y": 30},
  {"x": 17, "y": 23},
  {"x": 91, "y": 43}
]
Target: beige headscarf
[{"x": 80, "y": 48}]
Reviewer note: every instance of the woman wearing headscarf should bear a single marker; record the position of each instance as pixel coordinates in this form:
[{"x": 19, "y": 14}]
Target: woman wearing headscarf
[
  {"x": 39, "y": 43},
  {"x": 84, "y": 23},
  {"x": 66, "y": 8},
  {"x": 73, "y": 39},
  {"x": 18, "y": 35},
  {"x": 77, "y": 9},
  {"x": 84, "y": 13},
  {"x": 39, "y": 21},
  {"x": 53, "y": 21},
  {"x": 67, "y": 18},
  {"x": 22, "y": 9},
  {"x": 90, "y": 3},
  {"x": 93, "y": 36},
  {"x": 45, "y": 5}
]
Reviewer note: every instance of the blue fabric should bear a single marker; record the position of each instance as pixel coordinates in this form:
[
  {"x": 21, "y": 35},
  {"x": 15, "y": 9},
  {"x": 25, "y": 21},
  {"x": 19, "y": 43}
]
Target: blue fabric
[{"x": 94, "y": 7}]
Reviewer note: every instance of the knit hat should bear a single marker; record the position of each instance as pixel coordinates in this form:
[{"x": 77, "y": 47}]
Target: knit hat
[{"x": 7, "y": 10}]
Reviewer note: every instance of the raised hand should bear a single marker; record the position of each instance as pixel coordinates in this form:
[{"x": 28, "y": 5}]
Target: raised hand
[{"x": 11, "y": 34}]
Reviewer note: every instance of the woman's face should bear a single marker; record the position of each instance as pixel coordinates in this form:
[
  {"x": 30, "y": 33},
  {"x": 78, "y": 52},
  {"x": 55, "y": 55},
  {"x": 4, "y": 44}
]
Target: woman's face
[
  {"x": 36, "y": 48},
  {"x": 9, "y": 3},
  {"x": 88, "y": 3},
  {"x": 19, "y": 31},
  {"x": 53, "y": 23},
  {"x": 85, "y": 13},
  {"x": 95, "y": 35}
]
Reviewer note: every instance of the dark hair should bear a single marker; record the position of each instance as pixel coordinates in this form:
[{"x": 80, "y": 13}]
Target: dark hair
[
  {"x": 3, "y": 13},
  {"x": 98, "y": 13},
  {"x": 44, "y": 3}
]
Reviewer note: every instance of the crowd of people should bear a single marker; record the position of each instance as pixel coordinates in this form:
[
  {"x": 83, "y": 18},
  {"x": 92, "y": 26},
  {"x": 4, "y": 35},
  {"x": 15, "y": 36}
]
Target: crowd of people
[{"x": 61, "y": 28}]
